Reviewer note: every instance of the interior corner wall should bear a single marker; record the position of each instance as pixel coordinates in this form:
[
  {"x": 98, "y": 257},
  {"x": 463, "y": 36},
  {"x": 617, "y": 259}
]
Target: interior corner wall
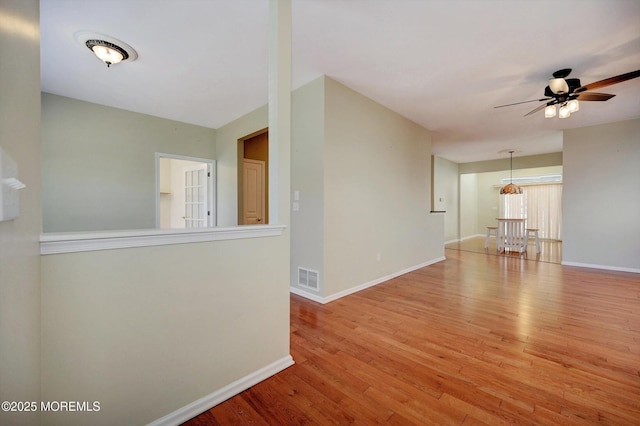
[
  {"x": 377, "y": 185},
  {"x": 19, "y": 238},
  {"x": 307, "y": 177},
  {"x": 98, "y": 163},
  {"x": 446, "y": 196},
  {"x": 601, "y": 199},
  {"x": 468, "y": 205},
  {"x": 227, "y": 138}
]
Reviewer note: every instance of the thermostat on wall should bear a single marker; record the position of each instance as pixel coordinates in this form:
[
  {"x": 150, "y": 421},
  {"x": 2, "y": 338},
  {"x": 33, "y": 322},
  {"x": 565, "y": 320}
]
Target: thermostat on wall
[{"x": 9, "y": 199}]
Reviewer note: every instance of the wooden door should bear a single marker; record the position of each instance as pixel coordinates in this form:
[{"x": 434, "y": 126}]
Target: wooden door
[{"x": 253, "y": 192}]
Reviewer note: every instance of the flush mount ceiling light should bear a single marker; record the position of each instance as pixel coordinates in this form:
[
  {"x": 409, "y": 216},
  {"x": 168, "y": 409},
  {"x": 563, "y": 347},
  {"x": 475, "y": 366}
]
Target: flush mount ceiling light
[
  {"x": 108, "y": 49},
  {"x": 108, "y": 53}
]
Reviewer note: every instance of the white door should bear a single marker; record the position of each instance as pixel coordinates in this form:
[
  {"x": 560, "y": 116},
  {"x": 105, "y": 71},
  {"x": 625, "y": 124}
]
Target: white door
[
  {"x": 185, "y": 195},
  {"x": 195, "y": 197},
  {"x": 253, "y": 192}
]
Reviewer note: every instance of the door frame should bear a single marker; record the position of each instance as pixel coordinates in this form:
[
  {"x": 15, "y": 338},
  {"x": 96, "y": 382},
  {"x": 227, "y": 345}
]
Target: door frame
[
  {"x": 240, "y": 157},
  {"x": 211, "y": 181}
]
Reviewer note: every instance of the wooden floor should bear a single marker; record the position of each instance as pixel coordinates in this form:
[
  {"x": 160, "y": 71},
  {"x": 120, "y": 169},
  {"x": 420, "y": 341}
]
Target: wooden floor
[
  {"x": 550, "y": 250},
  {"x": 476, "y": 339}
]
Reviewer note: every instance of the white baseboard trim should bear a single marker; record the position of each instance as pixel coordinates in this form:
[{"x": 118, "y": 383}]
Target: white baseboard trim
[
  {"x": 361, "y": 287},
  {"x": 306, "y": 294},
  {"x": 457, "y": 240},
  {"x": 606, "y": 267},
  {"x": 473, "y": 236},
  {"x": 205, "y": 403},
  {"x": 380, "y": 280}
]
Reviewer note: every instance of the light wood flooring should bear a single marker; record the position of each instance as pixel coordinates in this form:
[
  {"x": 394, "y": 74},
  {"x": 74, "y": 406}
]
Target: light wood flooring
[{"x": 476, "y": 339}]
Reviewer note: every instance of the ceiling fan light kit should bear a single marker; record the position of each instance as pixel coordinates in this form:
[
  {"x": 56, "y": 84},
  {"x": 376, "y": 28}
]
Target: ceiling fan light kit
[
  {"x": 573, "y": 105},
  {"x": 550, "y": 111},
  {"x": 564, "y": 111},
  {"x": 567, "y": 92},
  {"x": 558, "y": 86}
]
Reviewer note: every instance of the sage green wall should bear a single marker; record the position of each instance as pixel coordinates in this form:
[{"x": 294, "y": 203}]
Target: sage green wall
[
  {"x": 149, "y": 330},
  {"x": 468, "y": 205},
  {"x": 446, "y": 195},
  {"x": 601, "y": 197},
  {"x": 526, "y": 162},
  {"x": 227, "y": 138},
  {"x": 146, "y": 331},
  {"x": 474, "y": 184},
  {"x": 19, "y": 238},
  {"x": 377, "y": 186},
  {"x": 307, "y": 177},
  {"x": 98, "y": 163},
  {"x": 482, "y": 196}
]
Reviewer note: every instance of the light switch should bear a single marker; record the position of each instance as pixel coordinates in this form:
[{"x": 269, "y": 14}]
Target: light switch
[
  {"x": 296, "y": 195},
  {"x": 10, "y": 185},
  {"x": 296, "y": 207}
]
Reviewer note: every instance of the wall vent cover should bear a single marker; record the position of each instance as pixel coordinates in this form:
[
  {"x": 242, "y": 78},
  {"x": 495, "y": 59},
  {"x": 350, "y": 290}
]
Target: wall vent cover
[{"x": 308, "y": 278}]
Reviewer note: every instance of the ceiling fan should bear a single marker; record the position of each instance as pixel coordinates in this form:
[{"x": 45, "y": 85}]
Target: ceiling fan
[{"x": 566, "y": 92}]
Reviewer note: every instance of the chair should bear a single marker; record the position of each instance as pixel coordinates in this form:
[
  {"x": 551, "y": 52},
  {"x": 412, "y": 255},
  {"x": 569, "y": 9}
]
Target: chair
[
  {"x": 531, "y": 232},
  {"x": 491, "y": 230},
  {"x": 511, "y": 235}
]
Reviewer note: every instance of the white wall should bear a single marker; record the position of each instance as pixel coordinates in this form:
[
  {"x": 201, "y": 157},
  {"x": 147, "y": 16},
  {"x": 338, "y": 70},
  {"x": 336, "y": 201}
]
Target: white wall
[
  {"x": 19, "y": 238},
  {"x": 99, "y": 174},
  {"x": 601, "y": 197},
  {"x": 377, "y": 185}
]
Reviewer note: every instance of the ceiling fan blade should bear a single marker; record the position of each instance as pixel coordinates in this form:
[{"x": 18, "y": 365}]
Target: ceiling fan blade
[
  {"x": 592, "y": 96},
  {"x": 538, "y": 109},
  {"x": 609, "y": 81},
  {"x": 523, "y": 102}
]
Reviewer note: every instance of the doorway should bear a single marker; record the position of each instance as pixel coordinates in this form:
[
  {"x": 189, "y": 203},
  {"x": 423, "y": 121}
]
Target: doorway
[
  {"x": 185, "y": 192},
  {"x": 253, "y": 178}
]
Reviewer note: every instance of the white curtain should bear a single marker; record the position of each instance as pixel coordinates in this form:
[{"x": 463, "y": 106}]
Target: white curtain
[
  {"x": 544, "y": 209},
  {"x": 513, "y": 206}
]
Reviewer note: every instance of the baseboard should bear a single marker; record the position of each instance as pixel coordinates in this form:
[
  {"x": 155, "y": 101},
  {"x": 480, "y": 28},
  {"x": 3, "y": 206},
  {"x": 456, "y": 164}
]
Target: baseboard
[
  {"x": 205, "y": 403},
  {"x": 473, "y": 236},
  {"x": 306, "y": 294},
  {"x": 361, "y": 287},
  {"x": 606, "y": 267},
  {"x": 459, "y": 240}
]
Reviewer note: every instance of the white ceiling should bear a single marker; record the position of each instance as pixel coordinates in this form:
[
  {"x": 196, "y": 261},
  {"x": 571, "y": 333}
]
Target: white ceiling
[{"x": 441, "y": 63}]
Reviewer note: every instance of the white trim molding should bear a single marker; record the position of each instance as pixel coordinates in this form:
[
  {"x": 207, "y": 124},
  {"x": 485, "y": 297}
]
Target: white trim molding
[
  {"x": 73, "y": 242},
  {"x": 306, "y": 294},
  {"x": 361, "y": 287},
  {"x": 207, "y": 402},
  {"x": 605, "y": 267}
]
